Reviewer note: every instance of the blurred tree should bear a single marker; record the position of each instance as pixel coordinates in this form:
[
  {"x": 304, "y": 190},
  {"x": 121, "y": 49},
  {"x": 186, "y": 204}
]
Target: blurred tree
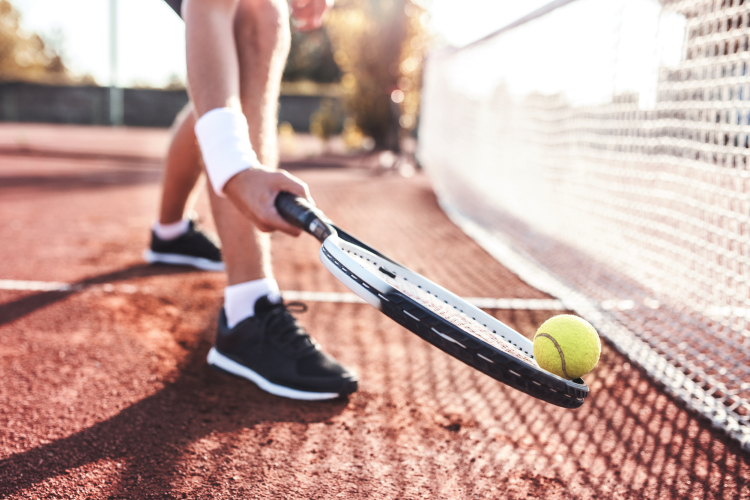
[
  {"x": 311, "y": 58},
  {"x": 379, "y": 45},
  {"x": 325, "y": 122},
  {"x": 176, "y": 82},
  {"x": 26, "y": 57}
]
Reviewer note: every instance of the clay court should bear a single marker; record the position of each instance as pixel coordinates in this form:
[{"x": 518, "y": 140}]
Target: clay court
[{"x": 106, "y": 393}]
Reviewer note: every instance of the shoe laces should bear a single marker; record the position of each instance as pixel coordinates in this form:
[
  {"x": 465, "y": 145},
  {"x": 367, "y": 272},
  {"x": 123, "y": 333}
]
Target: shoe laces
[{"x": 287, "y": 331}]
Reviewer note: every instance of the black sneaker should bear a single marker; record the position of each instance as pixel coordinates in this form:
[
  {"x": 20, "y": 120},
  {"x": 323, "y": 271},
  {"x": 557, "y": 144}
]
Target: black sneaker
[
  {"x": 273, "y": 351},
  {"x": 194, "y": 248}
]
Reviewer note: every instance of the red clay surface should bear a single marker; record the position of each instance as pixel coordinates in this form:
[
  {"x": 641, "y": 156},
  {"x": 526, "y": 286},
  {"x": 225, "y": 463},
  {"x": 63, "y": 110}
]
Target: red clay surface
[{"x": 105, "y": 392}]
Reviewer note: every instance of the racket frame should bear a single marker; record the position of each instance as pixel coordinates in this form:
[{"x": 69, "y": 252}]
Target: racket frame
[
  {"x": 340, "y": 254},
  {"x": 336, "y": 254}
]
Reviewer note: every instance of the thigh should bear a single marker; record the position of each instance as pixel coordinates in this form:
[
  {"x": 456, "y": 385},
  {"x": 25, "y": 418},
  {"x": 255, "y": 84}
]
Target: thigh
[
  {"x": 263, "y": 38},
  {"x": 262, "y": 27}
]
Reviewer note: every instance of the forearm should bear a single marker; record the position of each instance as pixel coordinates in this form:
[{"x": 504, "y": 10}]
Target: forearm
[
  {"x": 214, "y": 83},
  {"x": 212, "y": 63}
]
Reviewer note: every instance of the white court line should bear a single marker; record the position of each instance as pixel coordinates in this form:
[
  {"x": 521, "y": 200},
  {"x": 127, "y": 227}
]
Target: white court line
[
  {"x": 531, "y": 304},
  {"x": 35, "y": 286},
  {"x": 330, "y": 297}
]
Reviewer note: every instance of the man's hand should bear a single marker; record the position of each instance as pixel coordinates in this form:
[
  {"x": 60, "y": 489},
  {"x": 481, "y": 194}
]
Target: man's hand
[
  {"x": 307, "y": 15},
  {"x": 254, "y": 191}
]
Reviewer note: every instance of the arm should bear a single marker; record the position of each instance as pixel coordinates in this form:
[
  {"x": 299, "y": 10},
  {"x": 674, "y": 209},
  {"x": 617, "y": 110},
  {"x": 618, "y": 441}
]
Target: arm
[{"x": 213, "y": 76}]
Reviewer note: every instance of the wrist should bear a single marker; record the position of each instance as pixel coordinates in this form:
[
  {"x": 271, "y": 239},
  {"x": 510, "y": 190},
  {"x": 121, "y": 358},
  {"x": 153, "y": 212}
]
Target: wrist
[
  {"x": 224, "y": 140},
  {"x": 239, "y": 182}
]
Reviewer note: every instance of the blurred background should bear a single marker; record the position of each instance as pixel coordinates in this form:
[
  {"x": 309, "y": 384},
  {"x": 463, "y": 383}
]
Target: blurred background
[
  {"x": 110, "y": 62},
  {"x": 599, "y": 149}
]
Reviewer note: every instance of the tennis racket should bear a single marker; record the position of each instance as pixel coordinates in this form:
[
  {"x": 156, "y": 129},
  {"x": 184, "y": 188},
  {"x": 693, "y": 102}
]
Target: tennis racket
[{"x": 433, "y": 313}]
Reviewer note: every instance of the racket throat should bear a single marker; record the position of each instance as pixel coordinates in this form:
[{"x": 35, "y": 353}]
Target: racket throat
[{"x": 320, "y": 229}]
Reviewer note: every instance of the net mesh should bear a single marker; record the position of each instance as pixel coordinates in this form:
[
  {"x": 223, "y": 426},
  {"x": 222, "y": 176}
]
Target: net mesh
[{"x": 601, "y": 152}]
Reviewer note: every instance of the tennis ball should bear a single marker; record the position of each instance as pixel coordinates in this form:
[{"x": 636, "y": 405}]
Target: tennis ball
[{"x": 567, "y": 346}]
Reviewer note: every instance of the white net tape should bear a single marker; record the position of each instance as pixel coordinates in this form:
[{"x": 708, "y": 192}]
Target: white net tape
[{"x": 601, "y": 151}]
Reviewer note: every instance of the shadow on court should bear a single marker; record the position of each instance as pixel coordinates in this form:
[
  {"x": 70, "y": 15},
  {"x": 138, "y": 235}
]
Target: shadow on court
[
  {"x": 149, "y": 437},
  {"x": 81, "y": 181},
  {"x": 11, "y": 311}
]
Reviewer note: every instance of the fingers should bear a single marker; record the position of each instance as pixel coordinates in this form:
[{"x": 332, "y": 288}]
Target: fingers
[
  {"x": 307, "y": 15},
  {"x": 284, "y": 181},
  {"x": 293, "y": 185},
  {"x": 279, "y": 224},
  {"x": 254, "y": 192},
  {"x": 303, "y": 25}
]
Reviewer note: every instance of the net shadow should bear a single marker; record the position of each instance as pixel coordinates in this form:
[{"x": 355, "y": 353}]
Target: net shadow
[
  {"x": 454, "y": 431},
  {"x": 81, "y": 181}
]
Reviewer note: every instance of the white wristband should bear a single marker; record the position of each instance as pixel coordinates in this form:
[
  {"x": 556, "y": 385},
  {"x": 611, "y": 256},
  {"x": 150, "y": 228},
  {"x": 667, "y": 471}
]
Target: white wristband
[{"x": 225, "y": 143}]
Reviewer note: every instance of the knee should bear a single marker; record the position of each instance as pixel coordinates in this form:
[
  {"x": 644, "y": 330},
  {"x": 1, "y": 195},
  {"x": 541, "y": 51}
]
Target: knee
[{"x": 264, "y": 24}]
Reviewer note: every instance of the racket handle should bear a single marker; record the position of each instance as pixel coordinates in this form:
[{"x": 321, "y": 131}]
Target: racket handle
[{"x": 299, "y": 213}]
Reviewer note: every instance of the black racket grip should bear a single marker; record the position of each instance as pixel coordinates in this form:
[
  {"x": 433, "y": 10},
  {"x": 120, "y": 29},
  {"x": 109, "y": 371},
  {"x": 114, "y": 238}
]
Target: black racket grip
[{"x": 299, "y": 213}]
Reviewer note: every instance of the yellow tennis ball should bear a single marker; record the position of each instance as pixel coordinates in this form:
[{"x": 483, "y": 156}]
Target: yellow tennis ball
[{"x": 567, "y": 346}]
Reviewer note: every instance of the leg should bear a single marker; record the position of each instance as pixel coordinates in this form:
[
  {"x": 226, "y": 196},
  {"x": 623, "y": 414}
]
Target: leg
[
  {"x": 263, "y": 41},
  {"x": 246, "y": 251},
  {"x": 175, "y": 239},
  {"x": 262, "y": 37},
  {"x": 182, "y": 170},
  {"x": 268, "y": 346}
]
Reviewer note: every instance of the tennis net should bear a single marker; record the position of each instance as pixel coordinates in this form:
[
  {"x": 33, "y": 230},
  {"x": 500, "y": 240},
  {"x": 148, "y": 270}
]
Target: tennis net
[{"x": 600, "y": 150}]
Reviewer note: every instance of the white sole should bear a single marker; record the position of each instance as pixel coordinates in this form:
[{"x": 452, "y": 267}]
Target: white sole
[
  {"x": 182, "y": 260},
  {"x": 215, "y": 358}
]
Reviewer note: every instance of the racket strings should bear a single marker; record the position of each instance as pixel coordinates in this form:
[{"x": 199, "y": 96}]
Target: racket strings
[{"x": 460, "y": 319}]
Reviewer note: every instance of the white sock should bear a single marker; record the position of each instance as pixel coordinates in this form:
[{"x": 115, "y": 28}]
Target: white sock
[
  {"x": 168, "y": 232},
  {"x": 239, "y": 300}
]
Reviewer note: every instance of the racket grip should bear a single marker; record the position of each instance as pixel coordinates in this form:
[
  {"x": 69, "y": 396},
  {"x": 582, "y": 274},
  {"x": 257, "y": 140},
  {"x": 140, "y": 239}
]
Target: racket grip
[{"x": 299, "y": 213}]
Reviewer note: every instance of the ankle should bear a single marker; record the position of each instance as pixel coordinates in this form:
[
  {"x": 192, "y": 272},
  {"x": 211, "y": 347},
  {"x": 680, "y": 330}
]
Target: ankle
[
  {"x": 240, "y": 299},
  {"x": 171, "y": 231}
]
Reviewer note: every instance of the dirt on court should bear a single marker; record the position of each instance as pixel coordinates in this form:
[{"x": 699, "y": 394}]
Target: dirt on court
[{"x": 105, "y": 393}]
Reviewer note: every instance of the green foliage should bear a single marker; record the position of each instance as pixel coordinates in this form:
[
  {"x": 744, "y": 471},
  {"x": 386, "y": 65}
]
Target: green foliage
[
  {"x": 311, "y": 58},
  {"x": 378, "y": 45},
  {"x": 326, "y": 121}
]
